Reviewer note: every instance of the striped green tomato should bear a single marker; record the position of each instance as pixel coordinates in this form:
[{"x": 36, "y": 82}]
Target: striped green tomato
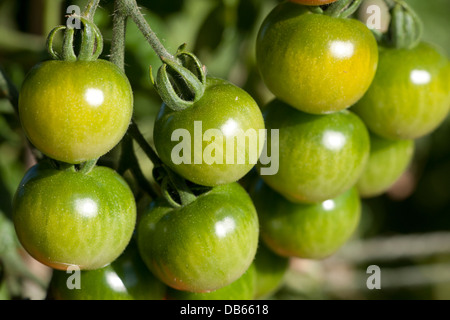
[
  {"x": 65, "y": 218},
  {"x": 204, "y": 245}
]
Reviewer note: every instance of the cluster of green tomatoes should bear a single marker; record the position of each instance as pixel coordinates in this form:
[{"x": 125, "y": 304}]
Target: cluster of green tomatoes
[{"x": 347, "y": 111}]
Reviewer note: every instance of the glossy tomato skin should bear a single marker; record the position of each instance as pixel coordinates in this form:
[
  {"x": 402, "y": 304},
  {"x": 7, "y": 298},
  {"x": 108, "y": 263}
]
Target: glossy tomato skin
[
  {"x": 224, "y": 108},
  {"x": 313, "y": 2},
  {"x": 75, "y": 111},
  {"x": 240, "y": 289},
  {"x": 314, "y": 71},
  {"x": 308, "y": 231},
  {"x": 270, "y": 270},
  {"x": 126, "y": 278},
  {"x": 388, "y": 160},
  {"x": 410, "y": 95},
  {"x": 202, "y": 246},
  {"x": 67, "y": 218},
  {"x": 320, "y": 156}
]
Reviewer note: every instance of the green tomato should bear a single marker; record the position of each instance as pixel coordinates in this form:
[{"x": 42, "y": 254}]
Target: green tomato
[
  {"x": 75, "y": 111},
  {"x": 410, "y": 95},
  {"x": 126, "y": 278},
  {"x": 207, "y": 142},
  {"x": 308, "y": 231},
  {"x": 240, "y": 289},
  {"x": 65, "y": 218},
  {"x": 315, "y": 62},
  {"x": 201, "y": 246},
  {"x": 388, "y": 160},
  {"x": 270, "y": 271},
  {"x": 320, "y": 156}
]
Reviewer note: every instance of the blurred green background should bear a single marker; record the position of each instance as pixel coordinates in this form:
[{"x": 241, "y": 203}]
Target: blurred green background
[{"x": 406, "y": 232}]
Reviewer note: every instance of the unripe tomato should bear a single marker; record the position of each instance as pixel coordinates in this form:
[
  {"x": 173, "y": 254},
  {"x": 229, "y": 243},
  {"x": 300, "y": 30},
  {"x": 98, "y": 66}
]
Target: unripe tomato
[
  {"x": 126, "y": 278},
  {"x": 309, "y": 231},
  {"x": 75, "y": 111},
  {"x": 204, "y": 245},
  {"x": 388, "y": 160},
  {"x": 314, "y": 62},
  {"x": 214, "y": 142},
  {"x": 410, "y": 95},
  {"x": 320, "y": 156},
  {"x": 67, "y": 218}
]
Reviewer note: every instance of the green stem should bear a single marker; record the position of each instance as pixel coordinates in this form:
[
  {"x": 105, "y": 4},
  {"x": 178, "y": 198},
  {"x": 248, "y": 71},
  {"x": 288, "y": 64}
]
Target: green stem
[
  {"x": 68, "y": 52},
  {"x": 118, "y": 38},
  {"x": 89, "y": 10},
  {"x": 131, "y": 9},
  {"x": 134, "y": 131},
  {"x": 129, "y": 161}
]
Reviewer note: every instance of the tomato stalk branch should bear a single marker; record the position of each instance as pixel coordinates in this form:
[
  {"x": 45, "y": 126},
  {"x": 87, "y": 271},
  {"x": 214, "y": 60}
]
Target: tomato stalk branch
[
  {"x": 89, "y": 10},
  {"x": 118, "y": 39},
  {"x": 131, "y": 9},
  {"x": 124, "y": 9},
  {"x": 134, "y": 131},
  {"x": 129, "y": 161}
]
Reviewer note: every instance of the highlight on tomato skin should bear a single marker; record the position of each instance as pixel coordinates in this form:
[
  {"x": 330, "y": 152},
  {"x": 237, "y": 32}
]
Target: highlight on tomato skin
[{"x": 313, "y": 2}]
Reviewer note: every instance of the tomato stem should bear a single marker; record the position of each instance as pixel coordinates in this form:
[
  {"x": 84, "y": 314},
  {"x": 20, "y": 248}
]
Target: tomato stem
[
  {"x": 119, "y": 36},
  {"x": 134, "y": 131},
  {"x": 129, "y": 161},
  {"x": 89, "y": 10},
  {"x": 177, "y": 76},
  {"x": 131, "y": 9},
  {"x": 68, "y": 53}
]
